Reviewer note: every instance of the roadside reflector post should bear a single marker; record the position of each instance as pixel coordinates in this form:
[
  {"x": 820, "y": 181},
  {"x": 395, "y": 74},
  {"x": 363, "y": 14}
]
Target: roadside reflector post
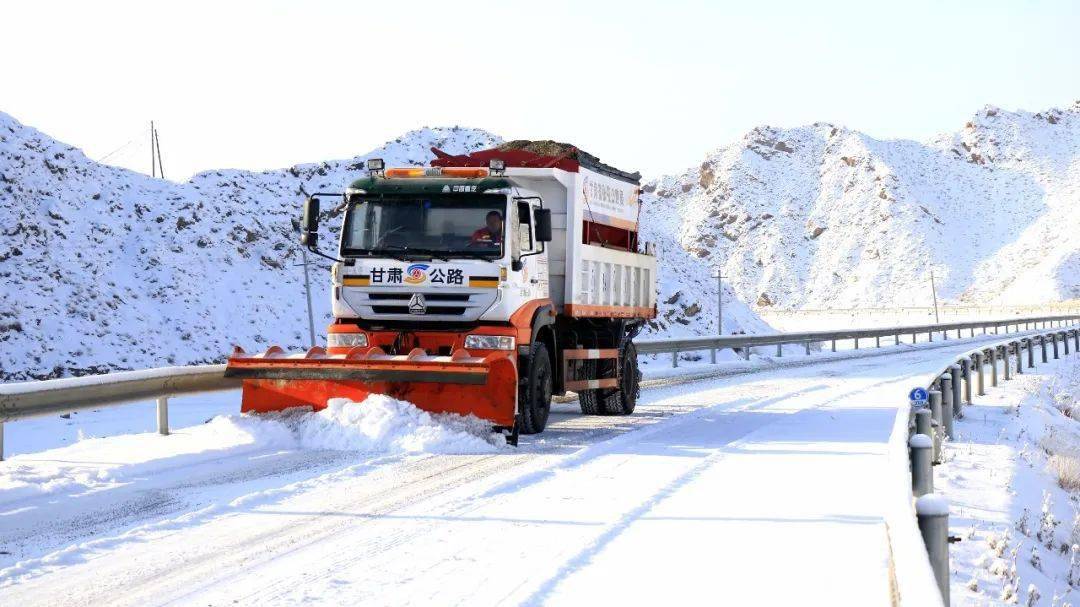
[
  {"x": 957, "y": 400},
  {"x": 981, "y": 386},
  {"x": 932, "y": 511},
  {"x": 937, "y": 421},
  {"x": 947, "y": 411},
  {"x": 922, "y": 471},
  {"x": 163, "y": 415}
]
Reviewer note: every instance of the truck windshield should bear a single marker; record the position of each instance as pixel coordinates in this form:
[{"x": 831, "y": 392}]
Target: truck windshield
[{"x": 456, "y": 224}]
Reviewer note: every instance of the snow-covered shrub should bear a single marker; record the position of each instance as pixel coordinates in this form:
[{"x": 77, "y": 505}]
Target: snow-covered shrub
[{"x": 1067, "y": 469}]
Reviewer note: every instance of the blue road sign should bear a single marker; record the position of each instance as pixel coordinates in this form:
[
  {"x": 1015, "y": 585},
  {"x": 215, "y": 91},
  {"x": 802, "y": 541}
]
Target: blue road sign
[{"x": 919, "y": 395}]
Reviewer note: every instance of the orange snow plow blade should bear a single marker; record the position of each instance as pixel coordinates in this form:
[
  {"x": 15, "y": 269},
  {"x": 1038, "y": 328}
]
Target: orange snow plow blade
[{"x": 461, "y": 383}]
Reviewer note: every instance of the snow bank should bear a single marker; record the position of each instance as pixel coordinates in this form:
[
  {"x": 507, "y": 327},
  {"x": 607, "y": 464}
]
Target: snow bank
[{"x": 379, "y": 425}]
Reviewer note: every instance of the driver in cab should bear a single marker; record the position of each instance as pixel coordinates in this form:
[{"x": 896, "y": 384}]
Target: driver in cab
[{"x": 491, "y": 234}]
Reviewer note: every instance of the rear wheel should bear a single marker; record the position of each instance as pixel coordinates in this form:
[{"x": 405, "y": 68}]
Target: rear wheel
[
  {"x": 590, "y": 400},
  {"x": 623, "y": 400},
  {"x": 534, "y": 395}
]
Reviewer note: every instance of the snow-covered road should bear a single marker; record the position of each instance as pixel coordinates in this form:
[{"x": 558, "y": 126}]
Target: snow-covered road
[{"x": 758, "y": 489}]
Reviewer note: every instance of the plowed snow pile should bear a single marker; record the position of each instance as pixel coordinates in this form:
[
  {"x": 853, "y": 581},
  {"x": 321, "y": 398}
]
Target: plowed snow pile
[{"x": 380, "y": 425}]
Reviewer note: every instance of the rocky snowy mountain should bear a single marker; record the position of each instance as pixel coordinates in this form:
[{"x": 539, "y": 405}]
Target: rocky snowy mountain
[
  {"x": 823, "y": 216},
  {"x": 106, "y": 269}
]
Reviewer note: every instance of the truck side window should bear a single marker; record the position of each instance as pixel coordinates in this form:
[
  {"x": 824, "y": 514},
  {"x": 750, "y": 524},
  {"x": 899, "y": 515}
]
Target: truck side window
[{"x": 525, "y": 236}]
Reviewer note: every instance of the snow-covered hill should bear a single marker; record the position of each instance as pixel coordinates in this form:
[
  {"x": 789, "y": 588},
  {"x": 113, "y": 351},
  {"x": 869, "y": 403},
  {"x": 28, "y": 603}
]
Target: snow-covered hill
[
  {"x": 104, "y": 269},
  {"x": 823, "y": 216}
]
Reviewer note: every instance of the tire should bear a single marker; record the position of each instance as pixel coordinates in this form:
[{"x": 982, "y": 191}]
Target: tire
[
  {"x": 589, "y": 400},
  {"x": 623, "y": 400},
  {"x": 534, "y": 395}
]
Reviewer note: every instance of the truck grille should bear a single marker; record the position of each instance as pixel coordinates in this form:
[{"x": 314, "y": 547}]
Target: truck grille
[{"x": 442, "y": 304}]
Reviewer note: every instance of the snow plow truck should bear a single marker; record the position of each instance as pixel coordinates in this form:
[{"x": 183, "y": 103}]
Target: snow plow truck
[{"x": 483, "y": 284}]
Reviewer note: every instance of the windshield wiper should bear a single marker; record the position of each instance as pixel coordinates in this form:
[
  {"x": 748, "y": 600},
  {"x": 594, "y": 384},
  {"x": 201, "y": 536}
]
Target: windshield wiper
[
  {"x": 473, "y": 255},
  {"x": 406, "y": 250}
]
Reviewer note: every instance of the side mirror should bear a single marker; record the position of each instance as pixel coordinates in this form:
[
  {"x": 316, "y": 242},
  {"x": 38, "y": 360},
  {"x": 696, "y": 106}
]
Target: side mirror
[
  {"x": 309, "y": 237},
  {"x": 516, "y": 265},
  {"x": 543, "y": 225}
]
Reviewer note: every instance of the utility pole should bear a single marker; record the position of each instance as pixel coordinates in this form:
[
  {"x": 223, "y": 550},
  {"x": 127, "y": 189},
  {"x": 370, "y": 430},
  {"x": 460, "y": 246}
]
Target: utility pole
[
  {"x": 933, "y": 289},
  {"x": 307, "y": 289},
  {"x": 157, "y": 143},
  {"x": 719, "y": 302},
  {"x": 153, "y": 161}
]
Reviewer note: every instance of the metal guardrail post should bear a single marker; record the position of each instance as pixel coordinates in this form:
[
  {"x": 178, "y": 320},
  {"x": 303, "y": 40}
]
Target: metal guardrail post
[
  {"x": 834, "y": 345},
  {"x": 712, "y": 355},
  {"x": 674, "y": 359},
  {"x": 981, "y": 386},
  {"x": 163, "y": 415},
  {"x": 808, "y": 348},
  {"x": 965, "y": 363},
  {"x": 1065, "y": 341},
  {"x": 1076, "y": 339},
  {"x": 938, "y": 422},
  {"x": 1, "y": 441},
  {"x": 877, "y": 341},
  {"x": 923, "y": 422},
  {"x": 993, "y": 366},
  {"x": 930, "y": 335},
  {"x": 1007, "y": 370},
  {"x": 779, "y": 350},
  {"x": 1030, "y": 353},
  {"x": 1042, "y": 347},
  {"x": 957, "y": 400},
  {"x": 856, "y": 343},
  {"x": 933, "y": 513},
  {"x": 922, "y": 471},
  {"x": 948, "y": 412},
  {"x": 1053, "y": 342}
]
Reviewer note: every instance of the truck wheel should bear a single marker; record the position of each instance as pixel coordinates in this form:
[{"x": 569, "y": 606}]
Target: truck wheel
[
  {"x": 589, "y": 399},
  {"x": 534, "y": 402},
  {"x": 623, "y": 400}
]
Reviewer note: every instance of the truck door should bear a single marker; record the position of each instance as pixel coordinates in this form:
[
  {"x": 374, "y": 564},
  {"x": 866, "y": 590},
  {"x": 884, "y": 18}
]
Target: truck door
[{"x": 533, "y": 254}]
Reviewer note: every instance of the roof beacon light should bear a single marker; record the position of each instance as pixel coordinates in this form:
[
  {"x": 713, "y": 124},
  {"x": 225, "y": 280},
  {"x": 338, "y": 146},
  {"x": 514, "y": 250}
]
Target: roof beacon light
[
  {"x": 375, "y": 165},
  {"x": 497, "y": 166}
]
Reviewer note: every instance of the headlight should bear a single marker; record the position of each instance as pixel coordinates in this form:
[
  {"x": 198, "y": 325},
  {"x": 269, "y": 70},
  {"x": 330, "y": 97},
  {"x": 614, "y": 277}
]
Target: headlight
[
  {"x": 346, "y": 340},
  {"x": 489, "y": 342}
]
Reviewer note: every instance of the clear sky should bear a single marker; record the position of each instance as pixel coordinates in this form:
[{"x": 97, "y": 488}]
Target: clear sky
[{"x": 645, "y": 86}]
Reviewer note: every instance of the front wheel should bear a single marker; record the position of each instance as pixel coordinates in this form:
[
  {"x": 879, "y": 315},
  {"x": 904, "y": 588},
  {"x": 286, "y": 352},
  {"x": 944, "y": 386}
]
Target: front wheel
[{"x": 534, "y": 395}]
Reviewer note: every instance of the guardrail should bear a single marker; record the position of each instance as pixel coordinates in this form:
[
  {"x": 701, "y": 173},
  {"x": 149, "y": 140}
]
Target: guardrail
[
  {"x": 743, "y": 343},
  {"x": 30, "y": 399},
  {"x": 922, "y": 432}
]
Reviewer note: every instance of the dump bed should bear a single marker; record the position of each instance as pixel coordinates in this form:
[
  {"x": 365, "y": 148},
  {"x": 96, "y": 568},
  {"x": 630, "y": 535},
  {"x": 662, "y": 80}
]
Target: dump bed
[{"x": 594, "y": 266}]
